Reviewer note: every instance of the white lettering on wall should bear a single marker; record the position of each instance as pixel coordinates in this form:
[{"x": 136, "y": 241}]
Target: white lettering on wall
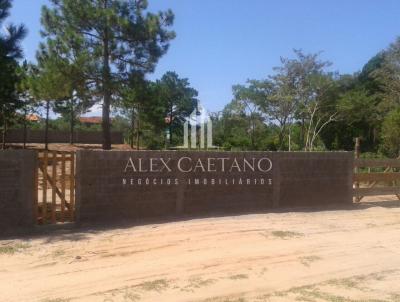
[{"x": 187, "y": 164}]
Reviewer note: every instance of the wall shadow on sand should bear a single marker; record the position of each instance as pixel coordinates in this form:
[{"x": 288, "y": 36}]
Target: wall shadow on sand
[{"x": 78, "y": 232}]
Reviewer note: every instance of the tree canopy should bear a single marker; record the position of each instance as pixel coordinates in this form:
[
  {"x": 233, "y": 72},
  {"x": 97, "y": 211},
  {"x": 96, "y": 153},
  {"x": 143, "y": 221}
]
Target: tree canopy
[
  {"x": 117, "y": 37},
  {"x": 100, "y": 52},
  {"x": 10, "y": 52}
]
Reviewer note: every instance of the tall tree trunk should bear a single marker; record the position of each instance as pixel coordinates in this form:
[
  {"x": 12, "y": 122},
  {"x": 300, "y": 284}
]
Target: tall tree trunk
[
  {"x": 106, "y": 121},
  {"x": 170, "y": 125},
  {"x": 25, "y": 127},
  {"x": 3, "y": 130},
  {"x": 106, "y": 87},
  {"x": 281, "y": 137},
  {"x": 132, "y": 128},
  {"x": 302, "y": 134},
  {"x": 138, "y": 129},
  {"x": 71, "y": 122},
  {"x": 5, "y": 134},
  {"x": 253, "y": 130},
  {"x": 46, "y": 133}
]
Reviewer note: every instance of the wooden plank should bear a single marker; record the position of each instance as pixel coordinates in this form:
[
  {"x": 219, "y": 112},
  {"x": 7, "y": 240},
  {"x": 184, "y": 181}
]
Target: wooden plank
[
  {"x": 63, "y": 186},
  {"x": 36, "y": 197},
  {"x": 357, "y": 149},
  {"x": 50, "y": 181},
  {"x": 50, "y": 159},
  {"x": 54, "y": 186},
  {"x": 373, "y": 163},
  {"x": 44, "y": 195},
  {"x": 72, "y": 188},
  {"x": 375, "y": 177},
  {"x": 376, "y": 191}
]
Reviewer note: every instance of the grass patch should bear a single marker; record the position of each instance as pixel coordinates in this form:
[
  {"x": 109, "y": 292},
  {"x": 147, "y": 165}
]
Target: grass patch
[
  {"x": 348, "y": 283},
  {"x": 225, "y": 299},
  {"x": 355, "y": 281},
  {"x": 197, "y": 283},
  {"x": 317, "y": 295},
  {"x": 314, "y": 293},
  {"x": 12, "y": 249},
  {"x": 286, "y": 234},
  {"x": 311, "y": 293},
  {"x": 129, "y": 296},
  {"x": 239, "y": 276},
  {"x": 156, "y": 285},
  {"x": 7, "y": 250},
  {"x": 125, "y": 294},
  {"x": 307, "y": 260}
]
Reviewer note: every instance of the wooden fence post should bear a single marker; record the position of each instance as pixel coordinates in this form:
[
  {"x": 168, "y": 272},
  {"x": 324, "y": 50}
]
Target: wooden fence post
[
  {"x": 36, "y": 198},
  {"x": 357, "y": 147},
  {"x": 72, "y": 187},
  {"x": 53, "y": 187},
  {"x": 44, "y": 200},
  {"x": 63, "y": 179},
  {"x": 357, "y": 152}
]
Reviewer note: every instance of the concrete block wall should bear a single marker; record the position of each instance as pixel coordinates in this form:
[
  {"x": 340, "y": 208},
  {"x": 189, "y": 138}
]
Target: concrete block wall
[
  {"x": 106, "y": 190},
  {"x": 17, "y": 188}
]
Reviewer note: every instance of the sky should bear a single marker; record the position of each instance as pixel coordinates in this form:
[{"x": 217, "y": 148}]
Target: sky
[{"x": 221, "y": 43}]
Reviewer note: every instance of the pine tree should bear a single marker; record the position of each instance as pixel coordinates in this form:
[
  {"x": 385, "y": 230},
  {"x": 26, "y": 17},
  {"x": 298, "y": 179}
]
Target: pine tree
[
  {"x": 28, "y": 103},
  {"x": 10, "y": 52},
  {"x": 178, "y": 100},
  {"x": 137, "y": 99},
  {"x": 72, "y": 90},
  {"x": 118, "y": 37}
]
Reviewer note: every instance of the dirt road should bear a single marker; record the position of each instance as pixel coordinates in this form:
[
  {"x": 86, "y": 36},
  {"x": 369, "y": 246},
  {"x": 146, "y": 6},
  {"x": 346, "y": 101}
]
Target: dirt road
[{"x": 339, "y": 255}]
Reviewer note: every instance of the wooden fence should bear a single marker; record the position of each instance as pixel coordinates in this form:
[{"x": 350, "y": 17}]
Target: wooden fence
[
  {"x": 55, "y": 183},
  {"x": 376, "y": 177}
]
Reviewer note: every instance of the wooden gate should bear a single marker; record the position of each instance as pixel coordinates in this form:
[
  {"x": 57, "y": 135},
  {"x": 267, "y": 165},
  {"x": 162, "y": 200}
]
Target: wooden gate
[
  {"x": 374, "y": 177},
  {"x": 55, "y": 183}
]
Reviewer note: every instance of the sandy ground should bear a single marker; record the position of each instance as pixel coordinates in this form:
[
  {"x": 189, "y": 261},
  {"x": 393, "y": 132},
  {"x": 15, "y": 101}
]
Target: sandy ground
[{"x": 338, "y": 255}]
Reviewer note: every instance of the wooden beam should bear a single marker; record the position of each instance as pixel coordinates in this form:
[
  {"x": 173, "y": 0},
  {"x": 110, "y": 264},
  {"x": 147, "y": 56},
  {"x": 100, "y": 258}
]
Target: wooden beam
[
  {"x": 376, "y": 163},
  {"x": 50, "y": 159},
  {"x": 44, "y": 195},
  {"x": 36, "y": 197},
  {"x": 357, "y": 152},
  {"x": 376, "y": 191},
  {"x": 63, "y": 186},
  {"x": 50, "y": 181},
  {"x": 375, "y": 177},
  {"x": 72, "y": 188},
  {"x": 54, "y": 187}
]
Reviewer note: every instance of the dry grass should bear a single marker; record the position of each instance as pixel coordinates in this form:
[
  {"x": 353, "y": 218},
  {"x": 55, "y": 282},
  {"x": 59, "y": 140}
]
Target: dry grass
[
  {"x": 13, "y": 248},
  {"x": 286, "y": 234},
  {"x": 307, "y": 260},
  {"x": 238, "y": 277},
  {"x": 156, "y": 285}
]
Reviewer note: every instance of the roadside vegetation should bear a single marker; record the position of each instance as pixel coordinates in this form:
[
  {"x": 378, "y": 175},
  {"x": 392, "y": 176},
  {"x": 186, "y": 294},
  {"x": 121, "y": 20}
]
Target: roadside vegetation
[{"x": 302, "y": 104}]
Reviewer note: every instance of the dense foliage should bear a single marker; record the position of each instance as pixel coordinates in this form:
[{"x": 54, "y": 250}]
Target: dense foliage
[{"x": 10, "y": 52}]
